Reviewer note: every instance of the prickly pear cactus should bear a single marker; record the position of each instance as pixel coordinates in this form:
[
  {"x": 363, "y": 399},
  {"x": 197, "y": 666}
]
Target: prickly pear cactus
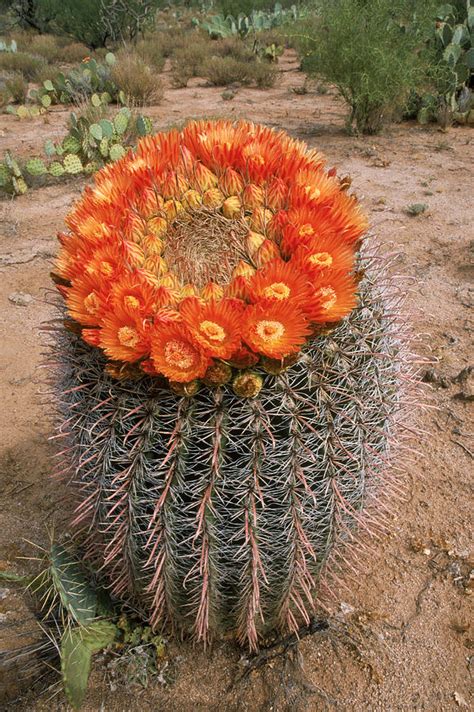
[{"x": 229, "y": 378}]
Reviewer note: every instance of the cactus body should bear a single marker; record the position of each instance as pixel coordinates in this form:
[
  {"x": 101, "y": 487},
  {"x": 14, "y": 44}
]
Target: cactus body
[
  {"x": 228, "y": 402},
  {"x": 215, "y": 512}
]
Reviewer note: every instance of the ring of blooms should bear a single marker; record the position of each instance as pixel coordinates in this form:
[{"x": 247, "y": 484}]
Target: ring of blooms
[{"x": 220, "y": 244}]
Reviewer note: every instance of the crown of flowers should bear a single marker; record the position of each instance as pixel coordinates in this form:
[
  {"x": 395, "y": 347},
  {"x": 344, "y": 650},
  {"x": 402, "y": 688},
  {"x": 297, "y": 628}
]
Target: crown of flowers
[{"x": 211, "y": 249}]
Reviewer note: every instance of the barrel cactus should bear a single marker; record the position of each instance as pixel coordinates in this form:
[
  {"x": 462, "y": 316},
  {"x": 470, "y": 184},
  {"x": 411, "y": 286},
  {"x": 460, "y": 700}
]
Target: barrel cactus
[{"x": 229, "y": 373}]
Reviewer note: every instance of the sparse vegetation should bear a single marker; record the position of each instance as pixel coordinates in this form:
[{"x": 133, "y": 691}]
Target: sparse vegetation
[
  {"x": 136, "y": 80},
  {"x": 365, "y": 49},
  {"x": 27, "y": 64}
]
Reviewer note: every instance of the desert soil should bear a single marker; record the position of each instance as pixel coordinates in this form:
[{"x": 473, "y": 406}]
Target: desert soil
[{"x": 401, "y": 635}]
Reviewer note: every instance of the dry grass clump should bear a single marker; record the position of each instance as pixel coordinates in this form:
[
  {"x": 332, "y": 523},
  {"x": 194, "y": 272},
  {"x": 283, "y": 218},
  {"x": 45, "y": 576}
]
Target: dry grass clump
[
  {"x": 236, "y": 48},
  {"x": 73, "y": 53},
  {"x": 264, "y": 74},
  {"x": 25, "y": 64},
  {"x": 170, "y": 41},
  {"x": 16, "y": 88},
  {"x": 222, "y": 71},
  {"x": 137, "y": 80},
  {"x": 188, "y": 61},
  {"x": 150, "y": 51}
]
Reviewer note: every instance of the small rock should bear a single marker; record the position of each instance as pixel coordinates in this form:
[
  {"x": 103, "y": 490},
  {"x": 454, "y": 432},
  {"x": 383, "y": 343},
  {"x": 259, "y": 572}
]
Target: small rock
[
  {"x": 4, "y": 593},
  {"x": 430, "y": 376},
  {"x": 465, "y": 378},
  {"x": 228, "y": 94},
  {"x": 20, "y": 299},
  {"x": 346, "y": 608},
  {"x": 459, "y": 699},
  {"x": 416, "y": 209}
]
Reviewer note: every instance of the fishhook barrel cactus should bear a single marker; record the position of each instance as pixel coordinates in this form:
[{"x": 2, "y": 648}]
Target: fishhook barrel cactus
[{"x": 229, "y": 377}]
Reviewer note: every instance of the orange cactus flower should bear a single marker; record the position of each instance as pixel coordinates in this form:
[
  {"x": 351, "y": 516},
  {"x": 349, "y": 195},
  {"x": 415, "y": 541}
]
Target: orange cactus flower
[
  {"x": 324, "y": 253},
  {"x": 214, "y": 326},
  {"x": 280, "y": 282},
  {"x": 334, "y": 297},
  {"x": 274, "y": 330},
  {"x": 86, "y": 300},
  {"x": 123, "y": 336},
  {"x": 174, "y": 353},
  {"x": 200, "y": 235},
  {"x": 136, "y": 296}
]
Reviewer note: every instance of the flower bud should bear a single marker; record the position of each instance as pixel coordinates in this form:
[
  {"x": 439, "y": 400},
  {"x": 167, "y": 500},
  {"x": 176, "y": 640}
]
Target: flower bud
[
  {"x": 185, "y": 389},
  {"x": 192, "y": 200},
  {"x": 252, "y": 196},
  {"x": 253, "y": 241},
  {"x": 231, "y": 182},
  {"x": 157, "y": 226},
  {"x": 218, "y": 374},
  {"x": 247, "y": 384},
  {"x": 212, "y": 291},
  {"x": 232, "y": 207},
  {"x": 266, "y": 252},
  {"x": 243, "y": 269},
  {"x": 213, "y": 198}
]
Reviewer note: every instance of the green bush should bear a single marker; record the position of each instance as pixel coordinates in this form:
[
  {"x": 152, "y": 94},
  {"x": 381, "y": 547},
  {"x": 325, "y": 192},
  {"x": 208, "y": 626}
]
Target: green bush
[{"x": 370, "y": 50}]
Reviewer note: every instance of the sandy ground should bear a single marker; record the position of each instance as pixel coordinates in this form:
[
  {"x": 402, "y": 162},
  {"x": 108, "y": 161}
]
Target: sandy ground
[{"x": 401, "y": 636}]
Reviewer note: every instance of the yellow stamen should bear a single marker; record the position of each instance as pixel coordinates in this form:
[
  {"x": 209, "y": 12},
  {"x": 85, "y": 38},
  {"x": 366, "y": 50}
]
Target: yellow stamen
[
  {"x": 128, "y": 336},
  {"x": 277, "y": 290},
  {"x": 213, "y": 331},
  {"x": 130, "y": 301},
  {"x": 91, "y": 303},
  {"x": 321, "y": 259},
  {"x": 328, "y": 297},
  {"x": 306, "y": 230},
  {"x": 270, "y": 330},
  {"x": 106, "y": 269},
  {"x": 179, "y": 353}
]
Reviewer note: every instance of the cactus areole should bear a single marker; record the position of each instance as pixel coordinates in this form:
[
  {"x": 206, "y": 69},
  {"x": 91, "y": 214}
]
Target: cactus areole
[{"x": 229, "y": 374}]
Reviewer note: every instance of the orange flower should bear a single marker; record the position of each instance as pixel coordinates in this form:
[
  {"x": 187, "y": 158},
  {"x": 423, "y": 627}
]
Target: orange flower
[
  {"x": 324, "y": 253},
  {"x": 280, "y": 282},
  {"x": 138, "y": 297},
  {"x": 274, "y": 330},
  {"x": 214, "y": 326},
  {"x": 86, "y": 300},
  {"x": 175, "y": 354},
  {"x": 334, "y": 297},
  {"x": 131, "y": 267},
  {"x": 123, "y": 336}
]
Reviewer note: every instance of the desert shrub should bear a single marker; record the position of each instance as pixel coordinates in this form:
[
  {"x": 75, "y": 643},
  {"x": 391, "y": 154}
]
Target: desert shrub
[
  {"x": 222, "y": 71},
  {"x": 73, "y": 53},
  {"x": 236, "y": 48},
  {"x": 188, "y": 62},
  {"x": 21, "y": 62},
  {"x": 172, "y": 41},
  {"x": 236, "y": 7},
  {"x": 44, "y": 46},
  {"x": 137, "y": 81},
  {"x": 364, "y": 48},
  {"x": 17, "y": 88},
  {"x": 263, "y": 74},
  {"x": 150, "y": 51},
  {"x": 225, "y": 70}
]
